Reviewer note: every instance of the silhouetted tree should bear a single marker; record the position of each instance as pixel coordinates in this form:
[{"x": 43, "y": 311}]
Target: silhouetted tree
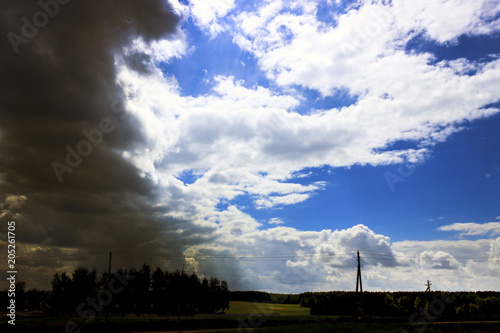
[
  {"x": 61, "y": 290},
  {"x": 84, "y": 284},
  {"x": 160, "y": 292}
]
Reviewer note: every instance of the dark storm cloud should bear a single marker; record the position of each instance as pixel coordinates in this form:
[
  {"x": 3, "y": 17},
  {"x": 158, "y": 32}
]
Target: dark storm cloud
[{"x": 56, "y": 81}]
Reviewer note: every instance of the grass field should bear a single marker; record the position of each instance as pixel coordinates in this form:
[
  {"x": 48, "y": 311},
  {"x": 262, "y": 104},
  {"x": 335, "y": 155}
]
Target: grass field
[
  {"x": 377, "y": 328},
  {"x": 249, "y": 316},
  {"x": 241, "y": 308}
]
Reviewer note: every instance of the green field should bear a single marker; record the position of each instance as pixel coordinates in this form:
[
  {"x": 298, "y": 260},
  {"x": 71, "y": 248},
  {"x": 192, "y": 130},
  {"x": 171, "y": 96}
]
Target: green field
[
  {"x": 377, "y": 328},
  {"x": 248, "y": 316},
  {"x": 268, "y": 309}
]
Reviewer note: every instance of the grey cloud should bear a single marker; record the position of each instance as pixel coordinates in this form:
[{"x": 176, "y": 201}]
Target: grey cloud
[
  {"x": 438, "y": 260},
  {"x": 139, "y": 62},
  {"x": 60, "y": 83}
]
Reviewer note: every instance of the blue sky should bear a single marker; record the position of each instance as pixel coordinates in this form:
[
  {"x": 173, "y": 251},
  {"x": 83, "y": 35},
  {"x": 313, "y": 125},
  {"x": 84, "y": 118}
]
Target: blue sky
[
  {"x": 301, "y": 130},
  {"x": 457, "y": 182}
]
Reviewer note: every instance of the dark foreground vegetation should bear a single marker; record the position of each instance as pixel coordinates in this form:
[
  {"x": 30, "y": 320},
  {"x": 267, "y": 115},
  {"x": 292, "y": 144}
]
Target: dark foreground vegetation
[
  {"x": 149, "y": 300},
  {"x": 86, "y": 293},
  {"x": 452, "y": 305},
  {"x": 455, "y": 306},
  {"x": 312, "y": 324}
]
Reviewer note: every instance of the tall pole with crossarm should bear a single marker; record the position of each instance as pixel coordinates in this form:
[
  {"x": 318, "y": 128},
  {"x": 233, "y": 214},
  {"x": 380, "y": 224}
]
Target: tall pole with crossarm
[
  {"x": 109, "y": 278},
  {"x": 358, "y": 278}
]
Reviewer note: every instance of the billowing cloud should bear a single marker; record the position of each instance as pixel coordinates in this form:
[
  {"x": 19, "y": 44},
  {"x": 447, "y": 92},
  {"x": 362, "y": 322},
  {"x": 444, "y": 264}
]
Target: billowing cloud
[
  {"x": 494, "y": 259},
  {"x": 109, "y": 153},
  {"x": 287, "y": 259},
  {"x": 463, "y": 18},
  {"x": 242, "y": 140},
  {"x": 62, "y": 127},
  {"x": 438, "y": 260},
  {"x": 206, "y": 13},
  {"x": 470, "y": 261}
]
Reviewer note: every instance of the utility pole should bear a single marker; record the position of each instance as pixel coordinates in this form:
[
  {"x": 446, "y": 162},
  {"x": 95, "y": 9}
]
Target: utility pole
[
  {"x": 109, "y": 267},
  {"x": 109, "y": 278},
  {"x": 429, "y": 284},
  {"x": 180, "y": 304},
  {"x": 359, "y": 284},
  {"x": 358, "y": 278}
]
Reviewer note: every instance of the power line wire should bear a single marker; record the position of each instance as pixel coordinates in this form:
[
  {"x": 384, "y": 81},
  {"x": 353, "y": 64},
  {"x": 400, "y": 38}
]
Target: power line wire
[{"x": 256, "y": 258}]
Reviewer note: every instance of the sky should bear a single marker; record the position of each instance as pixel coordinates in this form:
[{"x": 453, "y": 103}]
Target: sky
[{"x": 262, "y": 142}]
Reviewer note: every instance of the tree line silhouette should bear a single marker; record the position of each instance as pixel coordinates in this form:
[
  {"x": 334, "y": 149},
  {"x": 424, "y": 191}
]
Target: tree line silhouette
[
  {"x": 456, "y": 305},
  {"x": 176, "y": 293},
  {"x": 85, "y": 292}
]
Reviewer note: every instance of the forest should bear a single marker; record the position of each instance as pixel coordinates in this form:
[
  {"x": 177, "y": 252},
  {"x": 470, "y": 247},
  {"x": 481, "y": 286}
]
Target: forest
[
  {"x": 452, "y": 305},
  {"x": 164, "y": 293},
  {"x": 87, "y": 293}
]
